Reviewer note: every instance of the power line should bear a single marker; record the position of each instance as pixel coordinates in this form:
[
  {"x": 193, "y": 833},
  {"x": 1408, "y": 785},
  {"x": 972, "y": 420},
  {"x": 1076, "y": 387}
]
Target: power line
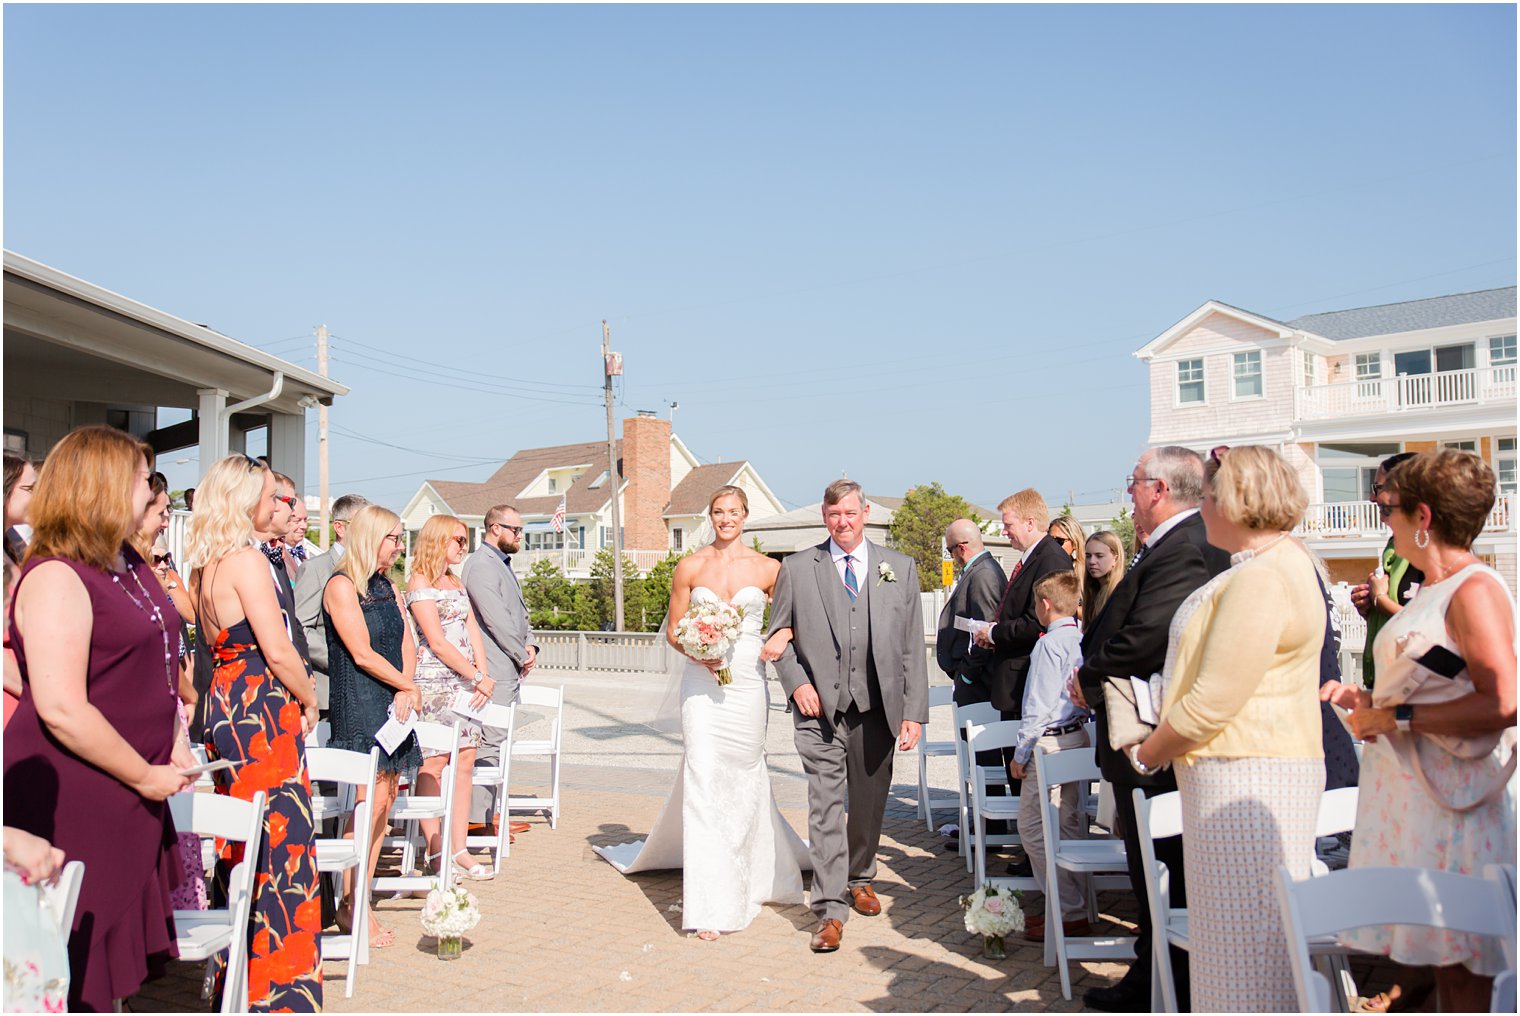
[
  {"x": 457, "y": 385},
  {"x": 469, "y": 459},
  {"x": 534, "y": 382},
  {"x": 414, "y": 472}
]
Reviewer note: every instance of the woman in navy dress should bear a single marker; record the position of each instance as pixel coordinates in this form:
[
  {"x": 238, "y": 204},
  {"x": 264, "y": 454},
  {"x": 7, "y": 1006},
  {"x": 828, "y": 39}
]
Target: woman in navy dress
[
  {"x": 92, "y": 754},
  {"x": 262, "y": 701},
  {"x": 371, "y": 667}
]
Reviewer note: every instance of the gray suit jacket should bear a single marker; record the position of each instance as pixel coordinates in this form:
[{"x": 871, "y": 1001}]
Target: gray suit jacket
[
  {"x": 810, "y": 599},
  {"x": 311, "y": 580},
  {"x": 502, "y": 615},
  {"x": 976, "y": 596}
]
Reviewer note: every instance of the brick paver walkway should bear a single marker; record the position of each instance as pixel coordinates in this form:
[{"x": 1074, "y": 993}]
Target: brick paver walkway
[{"x": 563, "y": 931}]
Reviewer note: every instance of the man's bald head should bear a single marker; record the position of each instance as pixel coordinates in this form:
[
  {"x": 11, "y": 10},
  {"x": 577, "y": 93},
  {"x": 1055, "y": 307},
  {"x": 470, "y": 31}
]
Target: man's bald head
[{"x": 963, "y": 540}]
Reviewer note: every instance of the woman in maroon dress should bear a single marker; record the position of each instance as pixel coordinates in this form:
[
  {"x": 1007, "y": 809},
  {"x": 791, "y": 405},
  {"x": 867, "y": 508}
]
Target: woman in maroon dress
[{"x": 94, "y": 750}]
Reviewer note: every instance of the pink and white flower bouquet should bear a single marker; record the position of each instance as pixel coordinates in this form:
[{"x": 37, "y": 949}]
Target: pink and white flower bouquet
[{"x": 708, "y": 631}]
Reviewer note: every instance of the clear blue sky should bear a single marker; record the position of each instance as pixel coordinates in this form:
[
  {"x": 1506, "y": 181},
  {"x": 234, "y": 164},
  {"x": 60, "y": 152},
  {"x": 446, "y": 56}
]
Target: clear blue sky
[{"x": 910, "y": 243}]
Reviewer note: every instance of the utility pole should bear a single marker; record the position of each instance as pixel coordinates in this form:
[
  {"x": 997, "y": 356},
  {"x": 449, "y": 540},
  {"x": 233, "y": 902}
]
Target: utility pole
[
  {"x": 612, "y": 364},
  {"x": 322, "y": 436}
]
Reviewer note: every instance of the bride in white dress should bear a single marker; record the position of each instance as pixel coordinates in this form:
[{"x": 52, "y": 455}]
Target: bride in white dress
[{"x": 720, "y": 824}]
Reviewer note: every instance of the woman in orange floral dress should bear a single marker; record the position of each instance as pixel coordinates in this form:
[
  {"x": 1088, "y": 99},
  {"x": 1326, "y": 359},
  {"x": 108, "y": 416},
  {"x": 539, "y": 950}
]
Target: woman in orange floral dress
[{"x": 262, "y": 702}]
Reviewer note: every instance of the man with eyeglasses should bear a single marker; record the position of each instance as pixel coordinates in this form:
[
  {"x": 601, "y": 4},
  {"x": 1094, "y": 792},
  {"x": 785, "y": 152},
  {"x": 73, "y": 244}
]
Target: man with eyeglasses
[
  {"x": 1128, "y": 639},
  {"x": 497, "y": 599},
  {"x": 311, "y": 580}
]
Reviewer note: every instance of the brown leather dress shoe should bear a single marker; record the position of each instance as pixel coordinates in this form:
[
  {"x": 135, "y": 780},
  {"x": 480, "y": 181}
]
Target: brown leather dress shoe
[
  {"x": 826, "y": 938},
  {"x": 866, "y": 903}
]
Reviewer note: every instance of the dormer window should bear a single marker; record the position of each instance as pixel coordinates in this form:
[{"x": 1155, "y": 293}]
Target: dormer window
[
  {"x": 601, "y": 479},
  {"x": 553, "y": 485}
]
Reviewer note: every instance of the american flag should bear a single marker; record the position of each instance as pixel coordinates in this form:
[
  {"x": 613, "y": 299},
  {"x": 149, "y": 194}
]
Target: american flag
[{"x": 558, "y": 522}]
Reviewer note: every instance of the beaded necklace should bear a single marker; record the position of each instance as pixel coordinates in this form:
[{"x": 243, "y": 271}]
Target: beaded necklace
[{"x": 155, "y": 614}]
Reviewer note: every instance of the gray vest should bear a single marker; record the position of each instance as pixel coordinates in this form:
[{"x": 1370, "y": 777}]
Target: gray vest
[{"x": 860, "y": 669}]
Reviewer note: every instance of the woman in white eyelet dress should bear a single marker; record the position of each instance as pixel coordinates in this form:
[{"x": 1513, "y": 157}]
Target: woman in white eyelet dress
[{"x": 720, "y": 824}]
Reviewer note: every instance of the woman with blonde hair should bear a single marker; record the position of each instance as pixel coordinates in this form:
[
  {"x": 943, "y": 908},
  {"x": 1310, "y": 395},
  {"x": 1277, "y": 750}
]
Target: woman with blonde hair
[
  {"x": 261, "y": 703},
  {"x": 450, "y": 662},
  {"x": 91, "y": 753},
  {"x": 370, "y": 667},
  {"x": 1240, "y": 715},
  {"x": 1105, "y": 567},
  {"x": 1067, "y": 531}
]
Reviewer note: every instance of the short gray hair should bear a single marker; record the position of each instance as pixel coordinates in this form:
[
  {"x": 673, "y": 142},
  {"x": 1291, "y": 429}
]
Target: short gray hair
[
  {"x": 347, "y": 506},
  {"x": 1181, "y": 469}
]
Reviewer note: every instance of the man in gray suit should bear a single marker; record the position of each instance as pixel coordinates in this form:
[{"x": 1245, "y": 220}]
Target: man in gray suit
[
  {"x": 855, "y": 669},
  {"x": 975, "y": 595},
  {"x": 311, "y": 580},
  {"x": 496, "y": 597}
]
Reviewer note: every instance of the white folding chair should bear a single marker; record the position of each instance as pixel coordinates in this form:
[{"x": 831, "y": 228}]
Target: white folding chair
[
  {"x": 1091, "y": 857},
  {"x": 990, "y": 737},
  {"x": 552, "y": 699},
  {"x": 320, "y": 735},
  {"x": 411, "y": 808},
  {"x": 1363, "y": 897},
  {"x": 201, "y": 934},
  {"x": 939, "y": 696},
  {"x": 62, "y": 897},
  {"x": 981, "y": 714},
  {"x": 348, "y": 771},
  {"x": 496, "y": 779}
]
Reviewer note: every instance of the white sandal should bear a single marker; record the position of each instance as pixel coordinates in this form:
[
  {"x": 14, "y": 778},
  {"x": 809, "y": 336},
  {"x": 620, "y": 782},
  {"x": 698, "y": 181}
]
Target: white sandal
[{"x": 476, "y": 872}]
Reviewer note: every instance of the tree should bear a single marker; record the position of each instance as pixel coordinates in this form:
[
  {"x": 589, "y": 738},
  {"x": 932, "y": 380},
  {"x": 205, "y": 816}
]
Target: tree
[
  {"x": 554, "y": 602},
  {"x": 657, "y": 590},
  {"x": 600, "y": 593},
  {"x": 1123, "y": 525},
  {"x": 918, "y": 528}
]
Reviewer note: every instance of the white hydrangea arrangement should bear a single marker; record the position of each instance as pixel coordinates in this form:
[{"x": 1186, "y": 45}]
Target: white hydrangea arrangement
[
  {"x": 992, "y": 912},
  {"x": 449, "y": 913}
]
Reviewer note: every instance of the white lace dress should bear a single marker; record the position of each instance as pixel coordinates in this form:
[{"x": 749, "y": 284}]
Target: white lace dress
[{"x": 720, "y": 824}]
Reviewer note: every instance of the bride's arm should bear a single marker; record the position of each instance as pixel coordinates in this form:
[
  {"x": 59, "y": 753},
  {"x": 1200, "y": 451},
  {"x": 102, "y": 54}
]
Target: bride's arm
[
  {"x": 775, "y": 645},
  {"x": 680, "y": 601}
]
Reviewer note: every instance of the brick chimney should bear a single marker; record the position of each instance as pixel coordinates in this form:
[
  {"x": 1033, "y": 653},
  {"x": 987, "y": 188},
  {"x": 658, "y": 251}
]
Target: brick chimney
[{"x": 646, "y": 465}]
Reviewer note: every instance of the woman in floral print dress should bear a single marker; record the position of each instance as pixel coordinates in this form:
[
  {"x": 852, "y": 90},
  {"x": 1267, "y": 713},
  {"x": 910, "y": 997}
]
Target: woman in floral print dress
[{"x": 263, "y": 701}]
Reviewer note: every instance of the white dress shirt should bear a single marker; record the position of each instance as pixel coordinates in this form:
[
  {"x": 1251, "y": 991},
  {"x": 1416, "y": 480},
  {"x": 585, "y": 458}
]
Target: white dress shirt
[
  {"x": 1168, "y": 526},
  {"x": 858, "y": 561}
]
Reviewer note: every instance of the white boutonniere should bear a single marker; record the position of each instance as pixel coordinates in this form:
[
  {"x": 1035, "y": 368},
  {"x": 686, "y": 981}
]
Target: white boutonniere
[{"x": 884, "y": 573}]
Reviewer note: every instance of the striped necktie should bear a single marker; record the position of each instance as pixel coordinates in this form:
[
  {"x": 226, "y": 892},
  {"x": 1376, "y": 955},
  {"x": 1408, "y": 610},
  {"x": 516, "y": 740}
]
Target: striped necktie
[{"x": 851, "y": 583}]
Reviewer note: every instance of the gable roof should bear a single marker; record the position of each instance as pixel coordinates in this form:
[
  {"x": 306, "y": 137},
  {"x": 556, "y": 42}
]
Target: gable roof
[
  {"x": 506, "y": 484},
  {"x": 1411, "y": 315},
  {"x": 695, "y": 489}
]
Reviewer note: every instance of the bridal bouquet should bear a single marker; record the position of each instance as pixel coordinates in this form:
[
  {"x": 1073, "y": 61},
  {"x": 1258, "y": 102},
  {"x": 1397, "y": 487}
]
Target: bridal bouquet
[
  {"x": 992, "y": 912},
  {"x": 708, "y": 631},
  {"x": 449, "y": 913}
]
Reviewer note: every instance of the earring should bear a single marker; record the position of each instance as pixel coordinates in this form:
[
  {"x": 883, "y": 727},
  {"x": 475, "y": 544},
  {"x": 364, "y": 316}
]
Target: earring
[{"x": 1422, "y": 538}]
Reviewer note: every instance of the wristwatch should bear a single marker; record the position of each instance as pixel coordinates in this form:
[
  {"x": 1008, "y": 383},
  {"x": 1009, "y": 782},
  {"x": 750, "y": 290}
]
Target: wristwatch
[
  {"x": 1403, "y": 716},
  {"x": 479, "y": 677}
]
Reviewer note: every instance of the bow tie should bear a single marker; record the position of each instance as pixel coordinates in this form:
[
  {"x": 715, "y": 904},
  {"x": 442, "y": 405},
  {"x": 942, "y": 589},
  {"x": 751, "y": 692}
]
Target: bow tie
[
  {"x": 272, "y": 551},
  {"x": 298, "y": 552}
]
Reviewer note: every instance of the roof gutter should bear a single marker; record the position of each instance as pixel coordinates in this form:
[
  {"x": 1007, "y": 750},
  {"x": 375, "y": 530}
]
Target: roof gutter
[{"x": 257, "y": 400}]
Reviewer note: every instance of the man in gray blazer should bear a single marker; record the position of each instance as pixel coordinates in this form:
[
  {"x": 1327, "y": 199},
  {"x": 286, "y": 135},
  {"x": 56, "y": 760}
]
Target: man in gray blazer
[
  {"x": 311, "y": 580},
  {"x": 855, "y": 669},
  {"x": 975, "y": 595},
  {"x": 496, "y": 597}
]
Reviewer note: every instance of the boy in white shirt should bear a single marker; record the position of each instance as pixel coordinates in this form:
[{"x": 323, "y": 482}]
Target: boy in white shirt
[{"x": 1052, "y": 722}]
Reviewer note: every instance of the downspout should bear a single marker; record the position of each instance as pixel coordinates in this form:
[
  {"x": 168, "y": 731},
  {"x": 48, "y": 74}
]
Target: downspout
[{"x": 257, "y": 400}]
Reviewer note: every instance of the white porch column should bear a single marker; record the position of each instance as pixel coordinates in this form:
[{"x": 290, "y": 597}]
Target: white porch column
[
  {"x": 287, "y": 446},
  {"x": 213, "y": 434}
]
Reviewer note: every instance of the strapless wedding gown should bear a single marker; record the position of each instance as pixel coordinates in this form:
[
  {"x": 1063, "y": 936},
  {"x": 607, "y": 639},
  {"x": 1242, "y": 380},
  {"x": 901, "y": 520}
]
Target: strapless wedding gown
[{"x": 720, "y": 824}]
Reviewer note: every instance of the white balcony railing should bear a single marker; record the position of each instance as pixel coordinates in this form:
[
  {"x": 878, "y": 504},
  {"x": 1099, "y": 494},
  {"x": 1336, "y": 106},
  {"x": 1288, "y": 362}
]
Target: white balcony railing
[
  {"x": 577, "y": 563},
  {"x": 1409, "y": 392},
  {"x": 1360, "y": 518}
]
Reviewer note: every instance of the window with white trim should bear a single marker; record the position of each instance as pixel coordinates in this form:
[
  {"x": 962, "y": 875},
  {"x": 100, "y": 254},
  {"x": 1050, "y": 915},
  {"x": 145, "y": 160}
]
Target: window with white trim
[
  {"x": 1247, "y": 374},
  {"x": 1369, "y": 366},
  {"x": 1504, "y": 464},
  {"x": 1189, "y": 382},
  {"x": 553, "y": 485},
  {"x": 1501, "y": 350},
  {"x": 1311, "y": 371},
  {"x": 1461, "y": 446},
  {"x": 675, "y": 538}
]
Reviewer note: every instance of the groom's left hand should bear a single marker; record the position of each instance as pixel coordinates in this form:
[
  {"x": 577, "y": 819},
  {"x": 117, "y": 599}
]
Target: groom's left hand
[{"x": 908, "y": 740}]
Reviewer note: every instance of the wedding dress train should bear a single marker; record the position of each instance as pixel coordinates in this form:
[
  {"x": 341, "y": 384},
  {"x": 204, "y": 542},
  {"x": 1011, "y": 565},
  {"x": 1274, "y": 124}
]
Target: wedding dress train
[{"x": 720, "y": 824}]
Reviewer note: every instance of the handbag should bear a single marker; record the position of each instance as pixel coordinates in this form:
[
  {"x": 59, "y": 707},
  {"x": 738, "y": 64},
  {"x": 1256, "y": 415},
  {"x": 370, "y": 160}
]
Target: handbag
[
  {"x": 1434, "y": 673},
  {"x": 1125, "y": 727}
]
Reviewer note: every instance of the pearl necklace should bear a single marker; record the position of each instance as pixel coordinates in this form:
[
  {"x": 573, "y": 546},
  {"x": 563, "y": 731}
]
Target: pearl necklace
[
  {"x": 1242, "y": 556},
  {"x": 156, "y": 615}
]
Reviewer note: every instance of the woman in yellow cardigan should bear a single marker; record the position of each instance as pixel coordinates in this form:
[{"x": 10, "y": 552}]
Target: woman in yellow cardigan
[{"x": 1240, "y": 717}]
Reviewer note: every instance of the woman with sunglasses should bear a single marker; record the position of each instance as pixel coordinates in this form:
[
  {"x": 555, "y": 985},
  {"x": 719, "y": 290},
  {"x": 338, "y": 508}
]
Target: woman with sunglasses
[
  {"x": 370, "y": 666},
  {"x": 1068, "y": 532},
  {"x": 450, "y": 661},
  {"x": 1390, "y": 585}
]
